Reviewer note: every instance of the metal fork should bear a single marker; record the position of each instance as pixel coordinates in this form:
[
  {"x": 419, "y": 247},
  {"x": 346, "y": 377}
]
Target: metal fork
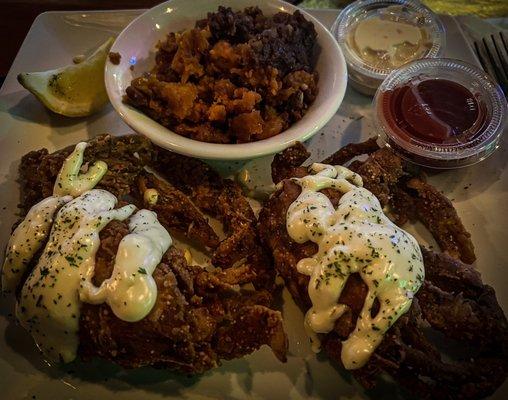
[{"x": 492, "y": 52}]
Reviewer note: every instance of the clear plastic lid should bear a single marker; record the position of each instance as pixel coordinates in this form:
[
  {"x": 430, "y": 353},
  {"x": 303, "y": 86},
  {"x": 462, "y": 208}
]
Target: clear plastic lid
[
  {"x": 440, "y": 113},
  {"x": 378, "y": 36}
]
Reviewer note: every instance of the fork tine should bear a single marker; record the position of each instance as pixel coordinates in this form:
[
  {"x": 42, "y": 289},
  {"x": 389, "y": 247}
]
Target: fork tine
[
  {"x": 503, "y": 40},
  {"x": 482, "y": 57},
  {"x": 492, "y": 62},
  {"x": 504, "y": 49},
  {"x": 501, "y": 56},
  {"x": 498, "y": 73}
]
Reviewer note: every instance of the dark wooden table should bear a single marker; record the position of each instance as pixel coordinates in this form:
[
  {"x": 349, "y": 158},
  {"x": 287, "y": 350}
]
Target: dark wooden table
[{"x": 16, "y": 16}]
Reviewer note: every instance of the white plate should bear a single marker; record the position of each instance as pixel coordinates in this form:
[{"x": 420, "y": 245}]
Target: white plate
[
  {"x": 25, "y": 125},
  {"x": 177, "y": 15}
]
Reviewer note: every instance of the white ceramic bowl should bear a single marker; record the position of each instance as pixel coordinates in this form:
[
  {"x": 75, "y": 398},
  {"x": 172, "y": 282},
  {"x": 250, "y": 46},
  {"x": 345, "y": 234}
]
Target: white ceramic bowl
[{"x": 136, "y": 45}]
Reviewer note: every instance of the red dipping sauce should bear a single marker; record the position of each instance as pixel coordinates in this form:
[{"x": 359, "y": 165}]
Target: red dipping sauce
[
  {"x": 434, "y": 110},
  {"x": 440, "y": 113}
]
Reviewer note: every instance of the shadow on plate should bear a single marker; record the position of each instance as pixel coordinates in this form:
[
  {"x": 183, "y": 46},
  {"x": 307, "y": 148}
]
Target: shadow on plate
[{"x": 30, "y": 109}]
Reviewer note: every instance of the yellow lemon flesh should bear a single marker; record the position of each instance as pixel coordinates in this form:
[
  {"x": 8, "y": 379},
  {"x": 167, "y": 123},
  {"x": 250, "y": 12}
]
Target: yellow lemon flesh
[{"x": 74, "y": 90}]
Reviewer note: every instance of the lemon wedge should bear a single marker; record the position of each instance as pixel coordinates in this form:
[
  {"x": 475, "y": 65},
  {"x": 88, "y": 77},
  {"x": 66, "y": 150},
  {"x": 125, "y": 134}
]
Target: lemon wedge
[{"x": 75, "y": 90}]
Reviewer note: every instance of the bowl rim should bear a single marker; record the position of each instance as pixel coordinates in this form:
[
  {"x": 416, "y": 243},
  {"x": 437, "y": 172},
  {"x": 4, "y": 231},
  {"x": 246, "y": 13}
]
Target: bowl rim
[{"x": 170, "y": 140}]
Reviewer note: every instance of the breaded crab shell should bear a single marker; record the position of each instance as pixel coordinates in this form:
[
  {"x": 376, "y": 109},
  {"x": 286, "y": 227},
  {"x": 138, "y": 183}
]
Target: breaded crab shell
[
  {"x": 452, "y": 305},
  {"x": 201, "y": 315}
]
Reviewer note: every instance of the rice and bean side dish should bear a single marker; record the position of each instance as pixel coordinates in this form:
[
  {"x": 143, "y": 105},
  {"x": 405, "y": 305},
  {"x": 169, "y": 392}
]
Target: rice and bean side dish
[{"x": 236, "y": 77}]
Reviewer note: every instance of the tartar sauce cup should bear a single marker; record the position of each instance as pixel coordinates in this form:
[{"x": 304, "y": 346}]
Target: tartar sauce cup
[
  {"x": 440, "y": 113},
  {"x": 379, "y": 36}
]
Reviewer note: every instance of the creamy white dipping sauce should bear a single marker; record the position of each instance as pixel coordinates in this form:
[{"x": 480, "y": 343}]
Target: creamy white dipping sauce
[
  {"x": 131, "y": 290},
  {"x": 385, "y": 35},
  {"x": 49, "y": 306},
  {"x": 357, "y": 237},
  {"x": 386, "y": 41}
]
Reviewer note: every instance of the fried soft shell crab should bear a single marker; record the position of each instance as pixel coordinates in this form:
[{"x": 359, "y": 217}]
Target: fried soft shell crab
[
  {"x": 200, "y": 315},
  {"x": 204, "y": 315},
  {"x": 452, "y": 300}
]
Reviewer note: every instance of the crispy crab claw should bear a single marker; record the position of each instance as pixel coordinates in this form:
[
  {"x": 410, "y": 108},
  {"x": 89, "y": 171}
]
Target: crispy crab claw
[
  {"x": 452, "y": 310},
  {"x": 200, "y": 316}
]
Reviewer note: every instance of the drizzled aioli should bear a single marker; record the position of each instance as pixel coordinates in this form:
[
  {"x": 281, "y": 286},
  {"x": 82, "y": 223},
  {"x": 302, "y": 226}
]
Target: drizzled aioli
[
  {"x": 357, "y": 237},
  {"x": 70, "y": 181},
  {"x": 131, "y": 291},
  {"x": 30, "y": 234},
  {"x": 27, "y": 239},
  {"x": 49, "y": 306},
  {"x": 50, "y": 300}
]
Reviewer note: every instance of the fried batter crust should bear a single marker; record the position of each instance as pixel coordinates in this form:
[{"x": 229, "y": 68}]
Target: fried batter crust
[
  {"x": 175, "y": 211},
  {"x": 289, "y": 163},
  {"x": 452, "y": 301},
  {"x": 125, "y": 157},
  {"x": 200, "y": 316},
  {"x": 437, "y": 213},
  {"x": 407, "y": 196},
  {"x": 222, "y": 199},
  {"x": 194, "y": 324}
]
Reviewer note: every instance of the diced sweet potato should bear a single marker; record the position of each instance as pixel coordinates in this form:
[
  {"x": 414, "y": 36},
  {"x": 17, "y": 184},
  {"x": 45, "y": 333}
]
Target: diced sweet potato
[
  {"x": 244, "y": 76},
  {"x": 180, "y": 98},
  {"x": 247, "y": 125},
  {"x": 217, "y": 112}
]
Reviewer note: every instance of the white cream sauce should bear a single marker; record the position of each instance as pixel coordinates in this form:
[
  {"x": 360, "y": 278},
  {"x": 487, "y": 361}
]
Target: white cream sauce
[
  {"x": 379, "y": 34},
  {"x": 27, "y": 239},
  {"x": 131, "y": 290},
  {"x": 49, "y": 306},
  {"x": 50, "y": 300},
  {"x": 70, "y": 181},
  {"x": 357, "y": 237}
]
